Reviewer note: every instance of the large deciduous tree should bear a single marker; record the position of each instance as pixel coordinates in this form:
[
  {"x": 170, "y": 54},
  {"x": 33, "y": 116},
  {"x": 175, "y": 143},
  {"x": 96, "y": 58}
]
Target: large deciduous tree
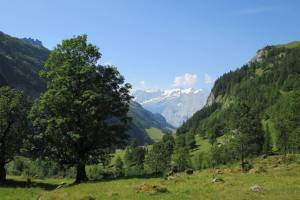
[
  {"x": 13, "y": 125},
  {"x": 82, "y": 115}
]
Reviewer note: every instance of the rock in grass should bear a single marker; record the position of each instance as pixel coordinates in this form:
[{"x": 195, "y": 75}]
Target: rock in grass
[
  {"x": 89, "y": 197},
  {"x": 219, "y": 171},
  {"x": 256, "y": 188},
  {"x": 148, "y": 188},
  {"x": 217, "y": 180},
  {"x": 61, "y": 185},
  {"x": 170, "y": 177}
]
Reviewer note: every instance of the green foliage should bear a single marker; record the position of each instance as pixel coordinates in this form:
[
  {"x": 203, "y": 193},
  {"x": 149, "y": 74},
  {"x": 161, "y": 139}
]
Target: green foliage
[
  {"x": 190, "y": 141},
  {"x": 248, "y": 133},
  {"x": 134, "y": 159},
  {"x": 181, "y": 159},
  {"x": 267, "y": 146},
  {"x": 169, "y": 143},
  {"x": 22, "y": 166},
  {"x": 83, "y": 114},
  {"x": 119, "y": 167},
  {"x": 180, "y": 141},
  {"x": 158, "y": 158},
  {"x": 95, "y": 172},
  {"x": 287, "y": 121},
  {"x": 14, "y": 126}
]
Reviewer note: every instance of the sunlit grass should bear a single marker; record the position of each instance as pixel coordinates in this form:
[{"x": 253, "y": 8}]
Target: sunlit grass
[{"x": 155, "y": 134}]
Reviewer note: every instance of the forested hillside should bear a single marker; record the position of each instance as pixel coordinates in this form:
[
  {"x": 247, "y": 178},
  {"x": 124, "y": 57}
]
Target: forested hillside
[
  {"x": 20, "y": 63},
  {"x": 269, "y": 85}
]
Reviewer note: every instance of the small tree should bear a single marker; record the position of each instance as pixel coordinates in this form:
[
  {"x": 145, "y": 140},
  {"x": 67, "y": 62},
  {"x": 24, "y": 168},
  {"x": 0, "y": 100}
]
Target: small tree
[
  {"x": 180, "y": 141},
  {"x": 190, "y": 140},
  {"x": 158, "y": 158},
  {"x": 13, "y": 126},
  {"x": 248, "y": 133},
  {"x": 169, "y": 142},
  {"x": 119, "y": 167},
  {"x": 83, "y": 114},
  {"x": 181, "y": 159},
  {"x": 134, "y": 158}
]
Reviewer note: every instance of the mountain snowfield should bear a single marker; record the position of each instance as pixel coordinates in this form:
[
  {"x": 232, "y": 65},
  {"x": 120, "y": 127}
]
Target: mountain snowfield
[{"x": 176, "y": 105}]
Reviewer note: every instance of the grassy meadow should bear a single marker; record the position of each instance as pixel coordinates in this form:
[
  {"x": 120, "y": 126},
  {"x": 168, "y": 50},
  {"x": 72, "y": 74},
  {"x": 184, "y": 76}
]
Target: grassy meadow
[{"x": 278, "y": 178}]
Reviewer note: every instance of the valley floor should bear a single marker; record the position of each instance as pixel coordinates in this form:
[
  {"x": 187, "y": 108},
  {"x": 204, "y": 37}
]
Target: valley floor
[{"x": 277, "y": 181}]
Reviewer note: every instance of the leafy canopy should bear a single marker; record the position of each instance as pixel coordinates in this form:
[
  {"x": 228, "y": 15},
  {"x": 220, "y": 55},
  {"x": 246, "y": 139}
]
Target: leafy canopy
[
  {"x": 13, "y": 125},
  {"x": 83, "y": 114}
]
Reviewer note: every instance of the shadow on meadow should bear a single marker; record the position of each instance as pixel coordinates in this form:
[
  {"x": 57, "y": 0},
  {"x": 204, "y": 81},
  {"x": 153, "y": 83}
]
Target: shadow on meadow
[{"x": 24, "y": 184}]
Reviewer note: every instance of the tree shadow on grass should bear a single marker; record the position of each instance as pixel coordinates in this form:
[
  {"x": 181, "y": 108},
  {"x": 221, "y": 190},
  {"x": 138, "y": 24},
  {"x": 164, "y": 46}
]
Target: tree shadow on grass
[
  {"x": 24, "y": 184},
  {"x": 144, "y": 176}
]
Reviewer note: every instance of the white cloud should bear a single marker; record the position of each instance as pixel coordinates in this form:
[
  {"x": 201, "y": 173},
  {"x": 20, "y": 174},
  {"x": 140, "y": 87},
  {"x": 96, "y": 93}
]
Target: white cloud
[
  {"x": 185, "y": 80},
  {"x": 208, "y": 79}
]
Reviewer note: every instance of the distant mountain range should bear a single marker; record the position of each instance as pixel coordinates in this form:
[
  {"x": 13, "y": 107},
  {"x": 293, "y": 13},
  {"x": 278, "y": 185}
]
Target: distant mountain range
[
  {"x": 22, "y": 59},
  {"x": 176, "y": 105}
]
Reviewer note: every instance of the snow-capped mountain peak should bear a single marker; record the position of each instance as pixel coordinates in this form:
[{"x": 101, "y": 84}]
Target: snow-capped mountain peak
[{"x": 176, "y": 104}]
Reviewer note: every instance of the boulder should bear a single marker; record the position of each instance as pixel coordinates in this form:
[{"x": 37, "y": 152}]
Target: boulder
[
  {"x": 217, "y": 180},
  {"x": 170, "y": 177},
  {"x": 256, "y": 188},
  {"x": 61, "y": 185}
]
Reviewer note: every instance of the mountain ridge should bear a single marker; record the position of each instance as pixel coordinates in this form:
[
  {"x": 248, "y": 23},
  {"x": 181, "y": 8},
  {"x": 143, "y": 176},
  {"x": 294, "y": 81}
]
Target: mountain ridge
[
  {"x": 268, "y": 84},
  {"x": 176, "y": 104}
]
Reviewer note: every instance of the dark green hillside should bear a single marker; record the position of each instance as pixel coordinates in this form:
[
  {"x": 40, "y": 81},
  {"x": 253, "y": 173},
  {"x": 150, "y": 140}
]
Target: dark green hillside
[
  {"x": 22, "y": 59},
  {"x": 143, "y": 119},
  {"x": 269, "y": 84},
  {"x": 20, "y": 62}
]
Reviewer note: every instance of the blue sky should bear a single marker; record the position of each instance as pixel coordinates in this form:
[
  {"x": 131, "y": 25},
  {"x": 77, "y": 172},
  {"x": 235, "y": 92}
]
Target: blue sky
[{"x": 152, "y": 42}]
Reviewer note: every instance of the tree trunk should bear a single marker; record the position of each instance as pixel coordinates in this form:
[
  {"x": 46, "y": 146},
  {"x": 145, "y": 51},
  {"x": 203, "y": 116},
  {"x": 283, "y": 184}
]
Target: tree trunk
[
  {"x": 242, "y": 158},
  {"x": 81, "y": 173},
  {"x": 2, "y": 173}
]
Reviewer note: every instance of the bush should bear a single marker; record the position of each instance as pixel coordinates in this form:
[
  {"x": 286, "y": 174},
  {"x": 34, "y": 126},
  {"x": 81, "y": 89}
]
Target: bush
[
  {"x": 95, "y": 172},
  {"x": 23, "y": 166},
  {"x": 181, "y": 159}
]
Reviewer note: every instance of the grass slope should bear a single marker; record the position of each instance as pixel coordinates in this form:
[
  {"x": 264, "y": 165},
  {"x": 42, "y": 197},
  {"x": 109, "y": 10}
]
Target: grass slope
[
  {"x": 280, "y": 181},
  {"x": 155, "y": 134}
]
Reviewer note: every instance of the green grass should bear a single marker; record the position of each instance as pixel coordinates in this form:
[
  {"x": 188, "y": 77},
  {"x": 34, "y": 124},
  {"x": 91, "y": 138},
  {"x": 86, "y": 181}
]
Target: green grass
[
  {"x": 278, "y": 182},
  {"x": 203, "y": 146},
  {"x": 18, "y": 189},
  {"x": 155, "y": 134}
]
